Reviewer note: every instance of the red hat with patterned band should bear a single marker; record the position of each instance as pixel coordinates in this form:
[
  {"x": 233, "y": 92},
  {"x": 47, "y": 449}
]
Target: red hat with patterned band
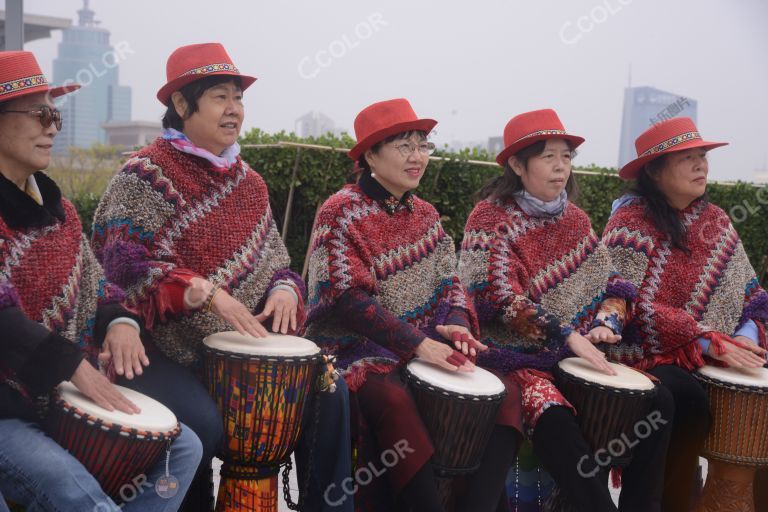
[
  {"x": 383, "y": 119},
  {"x": 531, "y": 127},
  {"x": 196, "y": 61},
  {"x": 20, "y": 75},
  {"x": 677, "y": 134}
]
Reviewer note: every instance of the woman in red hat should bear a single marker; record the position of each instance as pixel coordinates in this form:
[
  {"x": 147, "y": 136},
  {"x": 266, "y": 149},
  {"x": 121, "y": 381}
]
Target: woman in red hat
[
  {"x": 58, "y": 314},
  {"x": 543, "y": 285},
  {"x": 185, "y": 227},
  {"x": 698, "y": 295},
  {"x": 382, "y": 289}
]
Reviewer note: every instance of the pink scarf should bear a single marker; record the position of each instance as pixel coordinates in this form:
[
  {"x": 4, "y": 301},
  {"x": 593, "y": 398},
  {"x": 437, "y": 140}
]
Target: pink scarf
[{"x": 181, "y": 142}]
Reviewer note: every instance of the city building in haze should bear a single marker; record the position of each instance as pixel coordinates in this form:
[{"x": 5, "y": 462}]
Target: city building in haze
[
  {"x": 315, "y": 124},
  {"x": 85, "y": 56},
  {"x": 131, "y": 134},
  {"x": 644, "y": 107}
]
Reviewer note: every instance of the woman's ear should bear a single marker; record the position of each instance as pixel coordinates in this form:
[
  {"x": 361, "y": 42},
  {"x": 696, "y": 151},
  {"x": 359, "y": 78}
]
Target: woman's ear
[
  {"x": 516, "y": 165},
  {"x": 180, "y": 104}
]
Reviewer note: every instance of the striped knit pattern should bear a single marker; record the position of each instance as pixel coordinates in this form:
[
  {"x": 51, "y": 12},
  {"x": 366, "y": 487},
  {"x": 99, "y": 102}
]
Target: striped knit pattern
[
  {"x": 682, "y": 296},
  {"x": 405, "y": 261},
  {"x": 51, "y": 274},
  {"x": 534, "y": 280},
  {"x": 169, "y": 210}
]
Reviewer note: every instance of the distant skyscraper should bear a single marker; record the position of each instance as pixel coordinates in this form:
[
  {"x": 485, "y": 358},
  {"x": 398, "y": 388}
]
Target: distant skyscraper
[
  {"x": 86, "y": 57},
  {"x": 315, "y": 124},
  {"x": 495, "y": 145},
  {"x": 644, "y": 107}
]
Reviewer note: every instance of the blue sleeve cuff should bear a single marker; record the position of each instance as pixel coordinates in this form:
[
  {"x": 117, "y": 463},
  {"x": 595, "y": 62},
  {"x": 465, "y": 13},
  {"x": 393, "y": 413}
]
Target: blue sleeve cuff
[
  {"x": 749, "y": 330},
  {"x": 704, "y": 344}
]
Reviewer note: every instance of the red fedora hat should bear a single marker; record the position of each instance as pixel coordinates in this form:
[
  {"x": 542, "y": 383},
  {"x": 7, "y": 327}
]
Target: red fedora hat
[
  {"x": 676, "y": 134},
  {"x": 378, "y": 121},
  {"x": 195, "y": 61},
  {"x": 531, "y": 127},
  {"x": 20, "y": 75}
]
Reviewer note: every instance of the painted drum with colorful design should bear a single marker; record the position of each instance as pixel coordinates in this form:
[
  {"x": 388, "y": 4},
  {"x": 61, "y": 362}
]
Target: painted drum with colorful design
[{"x": 262, "y": 386}]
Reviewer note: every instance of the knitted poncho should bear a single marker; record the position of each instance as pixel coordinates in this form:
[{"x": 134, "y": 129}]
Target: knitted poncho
[
  {"x": 48, "y": 275},
  {"x": 533, "y": 280},
  {"x": 167, "y": 211},
  {"x": 401, "y": 258},
  {"x": 682, "y": 296}
]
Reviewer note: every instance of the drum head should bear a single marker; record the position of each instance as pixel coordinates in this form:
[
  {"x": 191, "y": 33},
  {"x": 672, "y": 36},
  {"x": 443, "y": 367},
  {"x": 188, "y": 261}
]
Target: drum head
[
  {"x": 625, "y": 378},
  {"x": 478, "y": 383},
  {"x": 750, "y": 377},
  {"x": 154, "y": 416},
  {"x": 279, "y": 345}
]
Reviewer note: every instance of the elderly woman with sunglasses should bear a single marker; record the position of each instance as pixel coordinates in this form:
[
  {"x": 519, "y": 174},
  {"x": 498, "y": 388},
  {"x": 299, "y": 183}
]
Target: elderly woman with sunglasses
[
  {"x": 382, "y": 289},
  {"x": 56, "y": 313}
]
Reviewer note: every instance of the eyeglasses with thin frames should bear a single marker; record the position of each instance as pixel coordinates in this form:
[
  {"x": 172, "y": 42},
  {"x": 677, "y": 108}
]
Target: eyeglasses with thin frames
[
  {"x": 45, "y": 114},
  {"x": 406, "y": 149}
]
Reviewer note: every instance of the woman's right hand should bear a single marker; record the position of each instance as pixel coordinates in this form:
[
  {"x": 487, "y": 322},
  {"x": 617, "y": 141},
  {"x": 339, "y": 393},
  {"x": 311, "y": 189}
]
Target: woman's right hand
[
  {"x": 97, "y": 387},
  {"x": 443, "y": 356},
  {"x": 736, "y": 356},
  {"x": 584, "y": 348},
  {"x": 237, "y": 315}
]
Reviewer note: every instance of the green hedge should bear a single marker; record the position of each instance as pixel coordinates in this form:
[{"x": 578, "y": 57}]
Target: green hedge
[{"x": 449, "y": 185}]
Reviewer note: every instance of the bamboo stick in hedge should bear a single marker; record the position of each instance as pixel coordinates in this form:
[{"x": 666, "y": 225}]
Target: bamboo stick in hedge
[{"x": 291, "y": 190}]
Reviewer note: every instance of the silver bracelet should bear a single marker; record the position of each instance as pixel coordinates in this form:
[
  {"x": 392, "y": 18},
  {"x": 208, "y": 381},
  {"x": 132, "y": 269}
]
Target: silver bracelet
[
  {"x": 124, "y": 320},
  {"x": 287, "y": 288}
]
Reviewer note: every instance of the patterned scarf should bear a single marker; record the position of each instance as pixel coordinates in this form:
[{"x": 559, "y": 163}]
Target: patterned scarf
[
  {"x": 535, "y": 207},
  {"x": 181, "y": 142}
]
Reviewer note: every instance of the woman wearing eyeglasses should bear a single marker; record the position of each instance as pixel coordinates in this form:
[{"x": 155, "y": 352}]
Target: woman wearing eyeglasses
[
  {"x": 382, "y": 289},
  {"x": 57, "y": 313}
]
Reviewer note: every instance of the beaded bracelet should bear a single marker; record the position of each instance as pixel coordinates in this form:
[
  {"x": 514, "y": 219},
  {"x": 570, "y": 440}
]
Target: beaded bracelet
[{"x": 209, "y": 300}]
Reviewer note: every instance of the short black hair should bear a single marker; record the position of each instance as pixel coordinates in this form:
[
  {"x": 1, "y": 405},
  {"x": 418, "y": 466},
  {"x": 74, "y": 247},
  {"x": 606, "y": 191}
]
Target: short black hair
[{"x": 192, "y": 92}]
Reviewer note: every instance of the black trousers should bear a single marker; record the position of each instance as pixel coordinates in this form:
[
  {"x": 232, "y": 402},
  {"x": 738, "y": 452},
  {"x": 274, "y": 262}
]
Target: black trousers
[
  {"x": 691, "y": 424},
  {"x": 582, "y": 474}
]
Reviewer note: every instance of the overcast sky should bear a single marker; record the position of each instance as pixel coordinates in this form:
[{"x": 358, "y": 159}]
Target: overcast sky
[{"x": 471, "y": 66}]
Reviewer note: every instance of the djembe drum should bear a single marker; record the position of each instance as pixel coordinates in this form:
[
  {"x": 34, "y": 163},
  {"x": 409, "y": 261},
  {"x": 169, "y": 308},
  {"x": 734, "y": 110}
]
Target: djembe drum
[
  {"x": 262, "y": 387},
  {"x": 459, "y": 410},
  {"x": 116, "y": 448},
  {"x": 737, "y": 445},
  {"x": 609, "y": 408}
]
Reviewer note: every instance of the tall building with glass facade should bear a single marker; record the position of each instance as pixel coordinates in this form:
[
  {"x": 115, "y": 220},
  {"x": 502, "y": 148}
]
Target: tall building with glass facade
[
  {"x": 644, "y": 107},
  {"x": 86, "y": 57}
]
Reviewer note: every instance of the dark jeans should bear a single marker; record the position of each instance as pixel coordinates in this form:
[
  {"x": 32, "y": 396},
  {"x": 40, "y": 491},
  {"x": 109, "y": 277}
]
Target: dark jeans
[
  {"x": 179, "y": 389},
  {"x": 330, "y": 443},
  {"x": 563, "y": 451},
  {"x": 691, "y": 424}
]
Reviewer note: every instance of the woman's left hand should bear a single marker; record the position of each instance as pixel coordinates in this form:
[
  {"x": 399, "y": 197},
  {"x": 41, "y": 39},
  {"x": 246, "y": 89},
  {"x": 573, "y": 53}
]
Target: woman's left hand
[
  {"x": 282, "y": 307},
  {"x": 461, "y": 338},
  {"x": 602, "y": 334},
  {"x": 123, "y": 346}
]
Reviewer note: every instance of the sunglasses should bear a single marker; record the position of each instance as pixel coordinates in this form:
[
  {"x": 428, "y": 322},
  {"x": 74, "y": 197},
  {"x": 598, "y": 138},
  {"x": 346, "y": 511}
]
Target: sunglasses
[{"x": 45, "y": 114}]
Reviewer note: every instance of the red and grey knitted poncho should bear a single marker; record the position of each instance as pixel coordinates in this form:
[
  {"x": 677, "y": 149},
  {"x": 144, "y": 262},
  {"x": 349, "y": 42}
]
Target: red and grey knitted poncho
[
  {"x": 682, "y": 296},
  {"x": 168, "y": 214},
  {"x": 381, "y": 277},
  {"x": 54, "y": 300},
  {"x": 534, "y": 280}
]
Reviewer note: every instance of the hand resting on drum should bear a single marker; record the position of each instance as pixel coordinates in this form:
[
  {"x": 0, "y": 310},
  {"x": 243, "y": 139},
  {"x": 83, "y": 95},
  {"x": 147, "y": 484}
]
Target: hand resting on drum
[
  {"x": 124, "y": 348},
  {"x": 584, "y": 348},
  {"x": 602, "y": 334},
  {"x": 443, "y": 356},
  {"x": 462, "y": 339},
  {"x": 97, "y": 387},
  {"x": 237, "y": 315},
  {"x": 738, "y": 352},
  {"x": 282, "y": 307}
]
